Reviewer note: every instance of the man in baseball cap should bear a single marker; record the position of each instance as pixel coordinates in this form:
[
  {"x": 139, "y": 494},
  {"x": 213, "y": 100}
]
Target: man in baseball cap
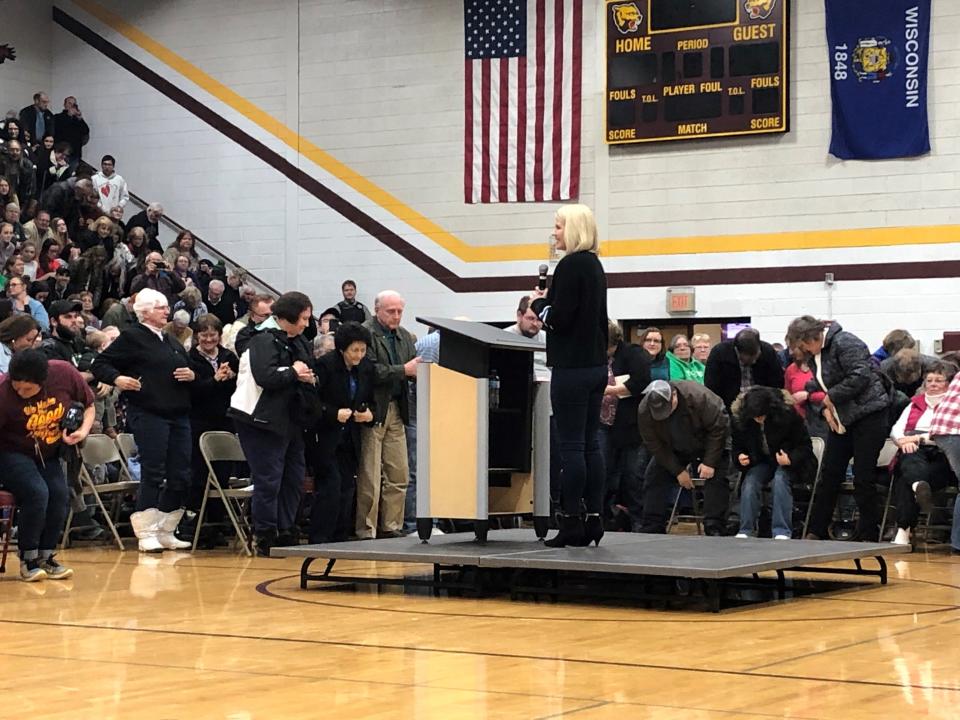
[{"x": 684, "y": 426}]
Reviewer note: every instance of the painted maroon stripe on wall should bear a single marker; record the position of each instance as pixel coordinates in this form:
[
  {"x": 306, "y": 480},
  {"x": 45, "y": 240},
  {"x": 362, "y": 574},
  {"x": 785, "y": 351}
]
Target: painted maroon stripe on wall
[{"x": 516, "y": 283}]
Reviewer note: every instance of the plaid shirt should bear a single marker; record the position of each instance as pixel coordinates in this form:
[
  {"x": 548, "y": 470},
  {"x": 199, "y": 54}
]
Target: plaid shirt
[{"x": 946, "y": 418}]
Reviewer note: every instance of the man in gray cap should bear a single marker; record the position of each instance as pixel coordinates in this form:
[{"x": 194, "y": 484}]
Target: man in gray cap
[{"x": 684, "y": 427}]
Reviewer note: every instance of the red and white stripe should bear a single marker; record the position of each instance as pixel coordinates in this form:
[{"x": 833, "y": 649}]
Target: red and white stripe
[{"x": 522, "y": 115}]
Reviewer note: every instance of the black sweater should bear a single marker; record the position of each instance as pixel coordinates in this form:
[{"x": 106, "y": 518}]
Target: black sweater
[
  {"x": 211, "y": 399},
  {"x": 139, "y": 353},
  {"x": 576, "y": 322}
]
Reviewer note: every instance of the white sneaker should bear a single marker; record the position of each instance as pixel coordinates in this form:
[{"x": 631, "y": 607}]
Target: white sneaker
[
  {"x": 902, "y": 538},
  {"x": 742, "y": 536},
  {"x": 781, "y": 537}
]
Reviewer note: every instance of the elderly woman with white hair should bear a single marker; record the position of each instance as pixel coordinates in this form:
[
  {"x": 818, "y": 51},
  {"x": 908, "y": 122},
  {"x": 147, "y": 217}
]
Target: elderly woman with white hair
[{"x": 153, "y": 372}]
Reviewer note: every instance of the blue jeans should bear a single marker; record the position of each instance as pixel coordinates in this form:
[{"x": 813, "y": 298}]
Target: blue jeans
[
  {"x": 42, "y": 496},
  {"x": 576, "y": 394},
  {"x": 751, "y": 498},
  {"x": 410, "y": 501},
  {"x": 950, "y": 444},
  {"x": 165, "y": 446},
  {"x": 277, "y": 468}
]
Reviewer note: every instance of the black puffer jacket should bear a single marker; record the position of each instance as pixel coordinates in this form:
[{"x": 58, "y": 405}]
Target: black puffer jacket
[
  {"x": 783, "y": 429},
  {"x": 852, "y": 382},
  {"x": 269, "y": 396}
]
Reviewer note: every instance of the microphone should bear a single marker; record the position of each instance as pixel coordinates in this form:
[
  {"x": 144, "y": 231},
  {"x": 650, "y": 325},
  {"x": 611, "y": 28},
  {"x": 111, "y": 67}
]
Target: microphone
[{"x": 542, "y": 280}]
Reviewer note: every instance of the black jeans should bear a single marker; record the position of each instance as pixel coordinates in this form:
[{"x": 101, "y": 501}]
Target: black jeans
[
  {"x": 277, "y": 468},
  {"x": 576, "y": 394},
  {"x": 334, "y": 489},
  {"x": 659, "y": 488},
  {"x": 625, "y": 469},
  {"x": 164, "y": 445},
  {"x": 41, "y": 495},
  {"x": 863, "y": 442},
  {"x": 929, "y": 464}
]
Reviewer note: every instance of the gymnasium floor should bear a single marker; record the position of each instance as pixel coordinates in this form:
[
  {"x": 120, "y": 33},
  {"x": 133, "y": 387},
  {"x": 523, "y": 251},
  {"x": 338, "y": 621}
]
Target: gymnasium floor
[{"x": 219, "y": 636}]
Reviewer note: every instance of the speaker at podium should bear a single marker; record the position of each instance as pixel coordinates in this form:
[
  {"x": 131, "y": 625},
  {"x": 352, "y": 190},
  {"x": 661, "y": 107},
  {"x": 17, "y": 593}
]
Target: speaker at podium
[{"x": 483, "y": 429}]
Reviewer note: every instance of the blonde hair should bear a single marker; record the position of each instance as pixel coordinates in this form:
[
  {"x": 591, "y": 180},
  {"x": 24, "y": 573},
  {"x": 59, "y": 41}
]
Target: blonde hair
[
  {"x": 699, "y": 337},
  {"x": 579, "y": 229}
]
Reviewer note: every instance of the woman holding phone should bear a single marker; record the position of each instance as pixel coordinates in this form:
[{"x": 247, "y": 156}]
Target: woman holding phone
[{"x": 574, "y": 315}]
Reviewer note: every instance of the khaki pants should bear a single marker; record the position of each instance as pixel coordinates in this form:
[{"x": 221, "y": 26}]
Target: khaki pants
[{"x": 383, "y": 475}]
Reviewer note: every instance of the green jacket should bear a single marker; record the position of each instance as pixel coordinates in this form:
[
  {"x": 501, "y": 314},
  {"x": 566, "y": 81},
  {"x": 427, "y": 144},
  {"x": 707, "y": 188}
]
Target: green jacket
[
  {"x": 691, "y": 369},
  {"x": 387, "y": 376}
]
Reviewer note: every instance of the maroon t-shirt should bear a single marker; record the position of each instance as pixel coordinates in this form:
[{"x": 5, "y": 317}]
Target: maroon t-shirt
[{"x": 26, "y": 425}]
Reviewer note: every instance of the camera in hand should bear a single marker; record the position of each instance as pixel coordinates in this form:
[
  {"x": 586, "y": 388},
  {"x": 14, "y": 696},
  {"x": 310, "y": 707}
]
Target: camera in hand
[
  {"x": 161, "y": 265},
  {"x": 73, "y": 418},
  {"x": 362, "y": 408}
]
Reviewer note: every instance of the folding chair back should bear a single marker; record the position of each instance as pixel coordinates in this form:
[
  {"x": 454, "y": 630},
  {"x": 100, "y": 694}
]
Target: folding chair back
[
  {"x": 887, "y": 453},
  {"x": 220, "y": 446},
  {"x": 99, "y": 450},
  {"x": 127, "y": 446}
]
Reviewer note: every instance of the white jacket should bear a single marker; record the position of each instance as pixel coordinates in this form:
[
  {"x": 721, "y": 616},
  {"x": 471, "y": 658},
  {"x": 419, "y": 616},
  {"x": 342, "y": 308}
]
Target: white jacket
[{"x": 112, "y": 191}]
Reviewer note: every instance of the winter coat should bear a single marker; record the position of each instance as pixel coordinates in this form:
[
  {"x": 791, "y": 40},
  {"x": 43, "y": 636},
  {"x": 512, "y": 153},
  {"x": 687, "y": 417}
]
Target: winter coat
[
  {"x": 703, "y": 414},
  {"x": 386, "y": 375},
  {"x": 269, "y": 396},
  {"x": 783, "y": 429},
  {"x": 854, "y": 385},
  {"x": 723, "y": 375}
]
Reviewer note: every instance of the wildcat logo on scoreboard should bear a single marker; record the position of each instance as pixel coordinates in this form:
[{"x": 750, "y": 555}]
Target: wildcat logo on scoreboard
[
  {"x": 627, "y": 17},
  {"x": 874, "y": 59},
  {"x": 759, "y": 9}
]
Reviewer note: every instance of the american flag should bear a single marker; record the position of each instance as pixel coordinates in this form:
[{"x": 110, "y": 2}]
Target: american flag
[{"x": 522, "y": 100}]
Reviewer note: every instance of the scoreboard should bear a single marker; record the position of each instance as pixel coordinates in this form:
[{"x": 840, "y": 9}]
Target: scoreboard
[{"x": 684, "y": 69}]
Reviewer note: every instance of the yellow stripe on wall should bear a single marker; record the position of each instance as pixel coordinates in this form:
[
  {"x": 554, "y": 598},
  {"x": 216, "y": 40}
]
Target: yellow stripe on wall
[{"x": 803, "y": 240}]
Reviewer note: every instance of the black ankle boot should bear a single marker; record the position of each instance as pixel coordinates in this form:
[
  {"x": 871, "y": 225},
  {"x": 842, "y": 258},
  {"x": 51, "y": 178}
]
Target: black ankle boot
[
  {"x": 264, "y": 541},
  {"x": 571, "y": 533},
  {"x": 593, "y": 529}
]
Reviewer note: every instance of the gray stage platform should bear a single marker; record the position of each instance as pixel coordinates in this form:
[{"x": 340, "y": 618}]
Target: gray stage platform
[{"x": 712, "y": 559}]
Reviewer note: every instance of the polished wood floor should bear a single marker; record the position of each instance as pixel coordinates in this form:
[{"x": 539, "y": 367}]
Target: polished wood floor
[{"x": 219, "y": 636}]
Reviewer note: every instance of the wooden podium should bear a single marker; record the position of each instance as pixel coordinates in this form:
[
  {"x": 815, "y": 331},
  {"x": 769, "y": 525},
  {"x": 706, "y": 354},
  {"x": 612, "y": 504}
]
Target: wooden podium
[{"x": 475, "y": 460}]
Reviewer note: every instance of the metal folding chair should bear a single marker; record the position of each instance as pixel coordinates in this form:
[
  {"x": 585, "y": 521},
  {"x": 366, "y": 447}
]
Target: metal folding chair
[
  {"x": 818, "y": 444},
  {"x": 8, "y": 506},
  {"x": 100, "y": 450},
  {"x": 697, "y": 515},
  {"x": 887, "y": 453},
  {"x": 220, "y": 446}
]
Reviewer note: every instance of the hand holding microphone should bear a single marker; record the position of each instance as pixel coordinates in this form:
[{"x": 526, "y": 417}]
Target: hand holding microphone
[{"x": 541, "y": 289}]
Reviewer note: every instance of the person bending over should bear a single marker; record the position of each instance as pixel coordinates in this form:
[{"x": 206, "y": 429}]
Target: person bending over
[
  {"x": 684, "y": 426},
  {"x": 771, "y": 443}
]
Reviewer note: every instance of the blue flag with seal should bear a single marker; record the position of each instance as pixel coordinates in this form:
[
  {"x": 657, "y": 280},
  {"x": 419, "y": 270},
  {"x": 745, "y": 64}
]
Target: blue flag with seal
[{"x": 878, "y": 68}]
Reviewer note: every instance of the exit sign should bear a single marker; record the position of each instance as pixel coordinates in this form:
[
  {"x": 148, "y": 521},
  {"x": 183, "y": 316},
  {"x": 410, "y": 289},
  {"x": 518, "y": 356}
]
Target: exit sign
[{"x": 681, "y": 300}]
